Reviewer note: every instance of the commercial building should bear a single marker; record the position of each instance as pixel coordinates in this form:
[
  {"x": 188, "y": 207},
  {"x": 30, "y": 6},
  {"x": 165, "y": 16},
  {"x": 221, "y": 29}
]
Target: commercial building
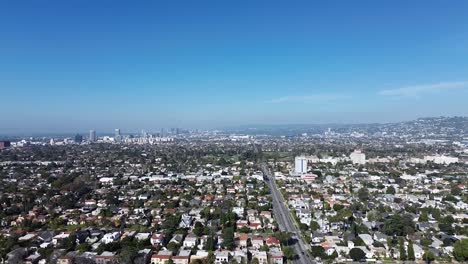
[
  {"x": 357, "y": 157},
  {"x": 441, "y": 159},
  {"x": 4, "y": 144},
  {"x": 300, "y": 165},
  {"x": 92, "y": 136},
  {"x": 117, "y": 135},
  {"x": 78, "y": 138}
]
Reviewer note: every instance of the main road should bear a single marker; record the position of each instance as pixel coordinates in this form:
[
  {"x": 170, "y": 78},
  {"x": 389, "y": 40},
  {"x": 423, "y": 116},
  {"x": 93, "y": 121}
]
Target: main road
[{"x": 285, "y": 220}]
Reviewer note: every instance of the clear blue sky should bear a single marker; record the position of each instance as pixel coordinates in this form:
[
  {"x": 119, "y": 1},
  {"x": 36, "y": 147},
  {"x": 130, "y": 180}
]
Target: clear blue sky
[{"x": 76, "y": 65}]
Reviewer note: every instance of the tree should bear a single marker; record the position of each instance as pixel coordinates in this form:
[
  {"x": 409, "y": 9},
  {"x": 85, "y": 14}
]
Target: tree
[
  {"x": 289, "y": 253},
  {"x": 318, "y": 251},
  {"x": 198, "y": 230},
  {"x": 455, "y": 191},
  {"x": 264, "y": 248},
  {"x": 460, "y": 250},
  {"x": 410, "y": 250},
  {"x": 244, "y": 229},
  {"x": 210, "y": 244},
  {"x": 359, "y": 242},
  {"x": 228, "y": 238},
  {"x": 363, "y": 194},
  {"x": 390, "y": 242},
  {"x": 314, "y": 226},
  {"x": 338, "y": 207},
  {"x": 390, "y": 190},
  {"x": 284, "y": 238},
  {"x": 83, "y": 247},
  {"x": 70, "y": 242},
  {"x": 357, "y": 254},
  {"x": 423, "y": 217},
  {"x": 445, "y": 225},
  {"x": 128, "y": 254},
  {"x": 398, "y": 225},
  {"x": 6, "y": 245},
  {"x": 428, "y": 256},
  {"x": 211, "y": 258},
  {"x": 173, "y": 246},
  {"x": 402, "y": 248}
]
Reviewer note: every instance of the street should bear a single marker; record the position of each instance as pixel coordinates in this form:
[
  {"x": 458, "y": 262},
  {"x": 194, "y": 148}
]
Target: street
[{"x": 285, "y": 220}]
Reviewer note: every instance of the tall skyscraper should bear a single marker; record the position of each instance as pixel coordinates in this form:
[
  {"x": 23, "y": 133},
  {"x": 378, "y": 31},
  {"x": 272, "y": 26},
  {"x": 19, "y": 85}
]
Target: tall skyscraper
[
  {"x": 117, "y": 135},
  {"x": 300, "y": 165},
  {"x": 92, "y": 136},
  {"x": 78, "y": 138}
]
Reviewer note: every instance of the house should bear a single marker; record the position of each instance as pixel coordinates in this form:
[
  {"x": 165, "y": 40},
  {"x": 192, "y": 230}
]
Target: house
[
  {"x": 162, "y": 257},
  {"x": 45, "y": 237},
  {"x": 275, "y": 256},
  {"x": 241, "y": 223},
  {"x": 143, "y": 256},
  {"x": 90, "y": 203},
  {"x": 221, "y": 257},
  {"x": 110, "y": 237},
  {"x": 18, "y": 253},
  {"x": 367, "y": 239},
  {"x": 382, "y": 238},
  {"x": 58, "y": 239},
  {"x": 182, "y": 258},
  {"x": 106, "y": 257},
  {"x": 81, "y": 236},
  {"x": 317, "y": 237},
  {"x": 32, "y": 259},
  {"x": 240, "y": 256},
  {"x": 241, "y": 240},
  {"x": 239, "y": 211},
  {"x": 261, "y": 256},
  {"x": 255, "y": 226},
  {"x": 177, "y": 238},
  {"x": 303, "y": 213},
  {"x": 266, "y": 215},
  {"x": 418, "y": 251},
  {"x": 272, "y": 241},
  {"x": 200, "y": 255},
  {"x": 257, "y": 242},
  {"x": 186, "y": 221},
  {"x": 157, "y": 239},
  {"x": 65, "y": 260},
  {"x": 190, "y": 241},
  {"x": 142, "y": 236}
]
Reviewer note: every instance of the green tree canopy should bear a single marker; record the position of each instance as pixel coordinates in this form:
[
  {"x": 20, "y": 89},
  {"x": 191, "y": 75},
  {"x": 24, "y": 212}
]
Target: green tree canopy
[
  {"x": 400, "y": 225},
  {"x": 357, "y": 254},
  {"x": 460, "y": 250},
  {"x": 410, "y": 250}
]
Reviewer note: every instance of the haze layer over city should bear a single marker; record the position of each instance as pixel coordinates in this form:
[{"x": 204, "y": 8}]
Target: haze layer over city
[{"x": 244, "y": 132}]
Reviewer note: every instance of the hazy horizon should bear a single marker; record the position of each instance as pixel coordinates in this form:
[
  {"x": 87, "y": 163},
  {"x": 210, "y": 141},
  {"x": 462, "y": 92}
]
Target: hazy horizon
[{"x": 75, "y": 66}]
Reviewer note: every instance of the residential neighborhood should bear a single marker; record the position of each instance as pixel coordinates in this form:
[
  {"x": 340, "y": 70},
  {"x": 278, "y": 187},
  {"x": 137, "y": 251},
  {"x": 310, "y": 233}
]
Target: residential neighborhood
[{"x": 216, "y": 198}]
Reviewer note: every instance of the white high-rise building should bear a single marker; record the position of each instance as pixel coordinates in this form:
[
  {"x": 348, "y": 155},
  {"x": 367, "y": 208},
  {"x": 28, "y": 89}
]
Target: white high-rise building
[
  {"x": 117, "y": 135},
  {"x": 357, "y": 157},
  {"x": 92, "y": 136},
  {"x": 300, "y": 165}
]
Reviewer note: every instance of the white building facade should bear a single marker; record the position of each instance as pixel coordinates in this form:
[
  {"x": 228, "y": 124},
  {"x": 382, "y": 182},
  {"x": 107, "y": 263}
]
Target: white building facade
[{"x": 300, "y": 165}]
